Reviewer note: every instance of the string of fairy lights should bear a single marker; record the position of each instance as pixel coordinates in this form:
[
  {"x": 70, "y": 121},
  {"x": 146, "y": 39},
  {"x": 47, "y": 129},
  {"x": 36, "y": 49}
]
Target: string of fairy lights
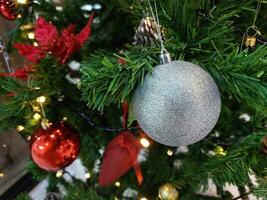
[
  {"x": 39, "y": 112},
  {"x": 39, "y": 116}
]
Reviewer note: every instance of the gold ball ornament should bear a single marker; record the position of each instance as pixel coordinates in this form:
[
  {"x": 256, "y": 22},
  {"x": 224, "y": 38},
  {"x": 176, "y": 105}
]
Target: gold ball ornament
[{"x": 168, "y": 192}]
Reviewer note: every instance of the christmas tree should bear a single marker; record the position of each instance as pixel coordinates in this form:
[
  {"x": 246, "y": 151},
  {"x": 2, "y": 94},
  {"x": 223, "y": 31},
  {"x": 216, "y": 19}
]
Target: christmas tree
[{"x": 159, "y": 99}]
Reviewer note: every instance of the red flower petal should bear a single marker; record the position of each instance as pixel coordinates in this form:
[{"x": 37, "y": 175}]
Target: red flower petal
[
  {"x": 62, "y": 47},
  {"x": 46, "y": 34},
  {"x": 21, "y": 73},
  {"x": 32, "y": 53},
  {"x": 85, "y": 33}
]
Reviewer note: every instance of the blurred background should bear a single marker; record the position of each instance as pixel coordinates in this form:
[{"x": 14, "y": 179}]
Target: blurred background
[{"x": 13, "y": 148}]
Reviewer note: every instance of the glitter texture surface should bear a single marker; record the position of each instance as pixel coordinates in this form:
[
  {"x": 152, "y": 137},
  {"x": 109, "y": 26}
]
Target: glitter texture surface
[{"x": 178, "y": 104}]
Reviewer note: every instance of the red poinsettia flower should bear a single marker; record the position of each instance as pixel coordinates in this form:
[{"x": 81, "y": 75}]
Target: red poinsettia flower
[
  {"x": 62, "y": 46},
  {"x": 21, "y": 73}
]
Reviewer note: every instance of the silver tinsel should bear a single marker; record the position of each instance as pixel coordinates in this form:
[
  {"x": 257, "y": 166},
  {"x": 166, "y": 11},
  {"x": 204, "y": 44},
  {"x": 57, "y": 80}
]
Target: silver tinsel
[{"x": 178, "y": 104}]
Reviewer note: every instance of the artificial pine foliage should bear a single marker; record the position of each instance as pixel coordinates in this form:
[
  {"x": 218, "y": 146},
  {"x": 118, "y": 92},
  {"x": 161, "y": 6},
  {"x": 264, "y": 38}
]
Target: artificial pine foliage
[{"x": 208, "y": 33}]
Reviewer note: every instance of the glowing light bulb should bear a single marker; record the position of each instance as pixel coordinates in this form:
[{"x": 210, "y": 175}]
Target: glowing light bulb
[
  {"x": 170, "y": 152},
  {"x": 41, "y": 99},
  {"x": 31, "y": 35},
  {"x": 143, "y": 198},
  {"x": 24, "y": 2},
  {"x": 36, "y": 108},
  {"x": 4, "y": 145},
  {"x": 87, "y": 175},
  {"x": 144, "y": 142},
  {"x": 59, "y": 173},
  {"x": 20, "y": 128},
  {"x": 117, "y": 184},
  {"x": 37, "y": 116},
  {"x": 35, "y": 44},
  {"x": 2, "y": 175}
]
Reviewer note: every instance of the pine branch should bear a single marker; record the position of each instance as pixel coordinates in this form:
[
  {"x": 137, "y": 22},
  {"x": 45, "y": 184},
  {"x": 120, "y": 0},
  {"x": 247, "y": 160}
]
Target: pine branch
[
  {"x": 80, "y": 192},
  {"x": 105, "y": 81},
  {"x": 23, "y": 196},
  {"x": 261, "y": 190},
  {"x": 242, "y": 76}
]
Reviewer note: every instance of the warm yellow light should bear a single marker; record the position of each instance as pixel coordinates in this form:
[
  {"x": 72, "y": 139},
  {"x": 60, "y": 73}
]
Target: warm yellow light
[
  {"x": 20, "y": 128},
  {"x": 36, "y": 108},
  {"x": 117, "y": 184},
  {"x": 87, "y": 175},
  {"x": 59, "y": 173},
  {"x": 4, "y": 145},
  {"x": 29, "y": 138},
  {"x": 220, "y": 151},
  {"x": 23, "y": 1},
  {"x": 143, "y": 198},
  {"x": 65, "y": 118},
  {"x": 37, "y": 116},
  {"x": 144, "y": 142},
  {"x": 2, "y": 175},
  {"x": 116, "y": 198},
  {"x": 170, "y": 152},
  {"x": 41, "y": 99},
  {"x": 31, "y": 35},
  {"x": 19, "y": 16},
  {"x": 35, "y": 44},
  {"x": 26, "y": 27}
]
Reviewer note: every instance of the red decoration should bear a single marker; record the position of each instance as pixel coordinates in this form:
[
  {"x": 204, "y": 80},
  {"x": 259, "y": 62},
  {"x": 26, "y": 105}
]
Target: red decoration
[
  {"x": 21, "y": 73},
  {"x": 8, "y": 9},
  {"x": 10, "y": 94},
  {"x": 121, "y": 154},
  {"x": 62, "y": 46},
  {"x": 55, "y": 148},
  {"x": 122, "y": 61}
]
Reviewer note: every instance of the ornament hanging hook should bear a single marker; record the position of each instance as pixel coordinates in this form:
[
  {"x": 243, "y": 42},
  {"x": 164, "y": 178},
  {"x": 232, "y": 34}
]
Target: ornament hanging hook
[
  {"x": 3, "y": 50},
  {"x": 253, "y": 26},
  {"x": 165, "y": 56},
  {"x": 257, "y": 12}
]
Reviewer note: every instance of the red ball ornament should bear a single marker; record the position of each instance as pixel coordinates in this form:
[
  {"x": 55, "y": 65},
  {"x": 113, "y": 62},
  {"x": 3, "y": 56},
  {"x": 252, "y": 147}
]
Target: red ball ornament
[
  {"x": 8, "y": 9},
  {"x": 55, "y": 148}
]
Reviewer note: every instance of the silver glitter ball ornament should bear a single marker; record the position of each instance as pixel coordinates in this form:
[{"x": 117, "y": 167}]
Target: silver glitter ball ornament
[{"x": 178, "y": 104}]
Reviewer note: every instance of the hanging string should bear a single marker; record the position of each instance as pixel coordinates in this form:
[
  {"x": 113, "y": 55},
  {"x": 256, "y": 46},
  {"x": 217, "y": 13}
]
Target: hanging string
[
  {"x": 156, "y": 19},
  {"x": 164, "y": 55},
  {"x": 9, "y": 68},
  {"x": 257, "y": 12}
]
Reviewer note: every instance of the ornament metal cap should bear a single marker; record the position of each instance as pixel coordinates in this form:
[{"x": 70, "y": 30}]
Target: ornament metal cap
[{"x": 165, "y": 57}]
